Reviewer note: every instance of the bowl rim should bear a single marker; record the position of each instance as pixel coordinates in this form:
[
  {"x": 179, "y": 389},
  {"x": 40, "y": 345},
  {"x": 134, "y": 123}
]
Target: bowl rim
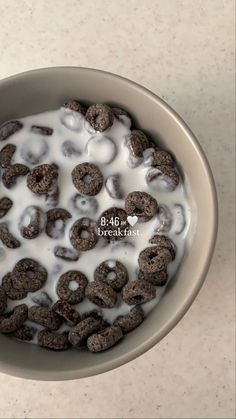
[{"x": 181, "y": 311}]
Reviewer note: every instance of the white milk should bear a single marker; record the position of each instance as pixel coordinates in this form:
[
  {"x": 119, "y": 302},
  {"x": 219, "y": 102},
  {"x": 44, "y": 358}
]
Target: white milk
[{"x": 132, "y": 179}]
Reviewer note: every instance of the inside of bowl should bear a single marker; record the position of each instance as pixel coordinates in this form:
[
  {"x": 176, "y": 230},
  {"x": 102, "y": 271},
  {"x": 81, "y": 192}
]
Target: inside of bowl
[{"x": 42, "y": 90}]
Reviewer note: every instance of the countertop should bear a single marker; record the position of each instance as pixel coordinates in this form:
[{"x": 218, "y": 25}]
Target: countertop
[{"x": 182, "y": 50}]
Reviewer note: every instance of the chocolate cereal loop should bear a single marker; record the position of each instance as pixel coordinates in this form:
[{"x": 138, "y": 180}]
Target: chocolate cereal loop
[
  {"x": 83, "y": 234},
  {"x": 113, "y": 273},
  {"x": 101, "y": 294},
  {"x": 12, "y": 173},
  {"x": 153, "y": 259},
  {"x": 66, "y": 253},
  {"x": 105, "y": 339},
  {"x": 6, "y": 155},
  {"x": 87, "y": 178},
  {"x": 36, "y": 220},
  {"x": 79, "y": 334},
  {"x": 158, "y": 278},
  {"x": 137, "y": 142},
  {"x": 7, "y": 238},
  {"x": 28, "y": 275},
  {"x": 14, "y": 320},
  {"x": 54, "y": 341},
  {"x": 41, "y": 179},
  {"x": 11, "y": 292},
  {"x": 162, "y": 158},
  {"x": 141, "y": 204},
  {"x": 138, "y": 292},
  {"x": 75, "y": 105},
  {"x": 164, "y": 241},
  {"x": 166, "y": 174},
  {"x": 130, "y": 320},
  {"x": 71, "y": 287},
  {"x": 56, "y": 222},
  {"x": 25, "y": 333},
  {"x": 99, "y": 116},
  {"x": 45, "y": 317},
  {"x": 9, "y": 128},
  {"x": 67, "y": 312},
  {"x": 37, "y": 129},
  {"x": 5, "y": 206}
]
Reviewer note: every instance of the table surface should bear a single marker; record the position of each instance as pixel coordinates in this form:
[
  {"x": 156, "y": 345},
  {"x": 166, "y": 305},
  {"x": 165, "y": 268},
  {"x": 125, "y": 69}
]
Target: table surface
[{"x": 182, "y": 50}]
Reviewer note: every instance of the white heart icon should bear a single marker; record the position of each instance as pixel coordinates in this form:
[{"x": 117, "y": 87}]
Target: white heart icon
[{"x": 132, "y": 220}]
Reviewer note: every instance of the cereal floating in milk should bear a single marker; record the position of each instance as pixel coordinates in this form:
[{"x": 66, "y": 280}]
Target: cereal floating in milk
[{"x": 93, "y": 221}]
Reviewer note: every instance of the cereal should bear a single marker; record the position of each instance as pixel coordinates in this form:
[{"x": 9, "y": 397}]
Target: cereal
[
  {"x": 101, "y": 294},
  {"x": 162, "y": 177},
  {"x": 14, "y": 320},
  {"x": 141, "y": 204},
  {"x": 160, "y": 158},
  {"x": 28, "y": 275},
  {"x": 84, "y": 205},
  {"x": 138, "y": 292},
  {"x": 5, "y": 206},
  {"x": 83, "y": 234},
  {"x": 153, "y": 259},
  {"x": 68, "y": 313},
  {"x": 52, "y": 196},
  {"x": 97, "y": 315},
  {"x": 69, "y": 149},
  {"x": 87, "y": 178},
  {"x": 113, "y": 223},
  {"x": 33, "y": 150},
  {"x": 25, "y": 333},
  {"x": 113, "y": 273},
  {"x": 163, "y": 241},
  {"x": 136, "y": 143},
  {"x": 32, "y": 222},
  {"x": 3, "y": 300},
  {"x": 71, "y": 287},
  {"x": 131, "y": 320},
  {"x": 71, "y": 115},
  {"x": 11, "y": 292},
  {"x": 6, "y": 155},
  {"x": 100, "y": 117},
  {"x": 101, "y": 149},
  {"x": 12, "y": 173},
  {"x": 164, "y": 219},
  {"x": 179, "y": 222},
  {"x": 158, "y": 278},
  {"x": 56, "y": 222},
  {"x": 9, "y": 128},
  {"x": 7, "y": 238},
  {"x": 65, "y": 253},
  {"x": 122, "y": 116},
  {"x": 41, "y": 179},
  {"x": 79, "y": 334},
  {"x": 37, "y": 129},
  {"x": 74, "y": 105},
  {"x": 45, "y": 317},
  {"x": 113, "y": 186},
  {"x": 105, "y": 339},
  {"x": 42, "y": 299},
  {"x": 54, "y": 341}
]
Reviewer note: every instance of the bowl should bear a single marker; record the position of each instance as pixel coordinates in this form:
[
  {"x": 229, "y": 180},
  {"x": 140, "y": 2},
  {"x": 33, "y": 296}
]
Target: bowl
[{"x": 40, "y": 90}]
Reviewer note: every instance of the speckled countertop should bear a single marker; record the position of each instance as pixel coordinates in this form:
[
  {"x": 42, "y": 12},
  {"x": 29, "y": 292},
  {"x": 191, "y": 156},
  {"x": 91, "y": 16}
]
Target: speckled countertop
[{"x": 183, "y": 51}]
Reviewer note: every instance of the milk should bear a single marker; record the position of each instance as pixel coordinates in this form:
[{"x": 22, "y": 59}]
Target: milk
[{"x": 132, "y": 179}]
